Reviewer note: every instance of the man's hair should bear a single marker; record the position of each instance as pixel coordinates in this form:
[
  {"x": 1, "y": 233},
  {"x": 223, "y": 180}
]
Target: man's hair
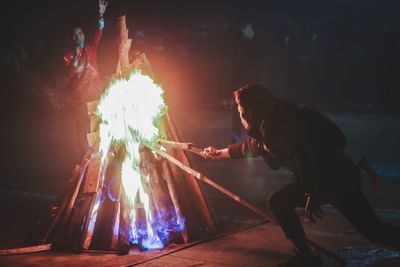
[{"x": 255, "y": 97}]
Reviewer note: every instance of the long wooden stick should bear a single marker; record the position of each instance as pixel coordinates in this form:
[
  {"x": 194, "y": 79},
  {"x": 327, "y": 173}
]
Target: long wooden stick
[
  {"x": 178, "y": 145},
  {"x": 23, "y": 250},
  {"x": 225, "y": 191},
  {"x": 205, "y": 179},
  {"x": 198, "y": 203},
  {"x": 69, "y": 205}
]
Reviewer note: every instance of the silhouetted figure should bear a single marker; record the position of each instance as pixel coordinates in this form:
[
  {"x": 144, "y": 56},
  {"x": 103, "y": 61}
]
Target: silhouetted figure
[
  {"x": 17, "y": 59},
  {"x": 310, "y": 146}
]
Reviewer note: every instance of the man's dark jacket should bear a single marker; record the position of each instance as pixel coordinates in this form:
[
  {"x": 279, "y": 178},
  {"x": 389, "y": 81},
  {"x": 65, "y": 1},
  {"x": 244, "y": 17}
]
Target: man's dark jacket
[{"x": 305, "y": 142}]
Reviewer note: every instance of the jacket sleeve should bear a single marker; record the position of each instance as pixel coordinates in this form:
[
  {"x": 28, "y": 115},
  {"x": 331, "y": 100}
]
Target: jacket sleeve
[
  {"x": 246, "y": 149},
  {"x": 99, "y": 32}
]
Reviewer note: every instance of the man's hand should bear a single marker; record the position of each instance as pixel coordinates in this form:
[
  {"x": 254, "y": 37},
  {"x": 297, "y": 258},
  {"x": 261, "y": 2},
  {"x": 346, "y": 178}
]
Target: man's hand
[
  {"x": 102, "y": 7},
  {"x": 214, "y": 153},
  {"x": 210, "y": 153},
  {"x": 313, "y": 207}
]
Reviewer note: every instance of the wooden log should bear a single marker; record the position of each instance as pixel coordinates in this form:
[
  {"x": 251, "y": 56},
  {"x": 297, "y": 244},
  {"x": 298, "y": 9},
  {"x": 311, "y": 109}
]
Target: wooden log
[
  {"x": 195, "y": 194},
  {"x": 141, "y": 62},
  {"x": 88, "y": 233},
  {"x": 91, "y": 183},
  {"x": 124, "y": 46},
  {"x": 114, "y": 239},
  {"x": 63, "y": 236},
  {"x": 78, "y": 218},
  {"x": 61, "y": 210},
  {"x": 45, "y": 227},
  {"x": 108, "y": 207},
  {"x": 175, "y": 199},
  {"x": 104, "y": 228},
  {"x": 158, "y": 187},
  {"x": 24, "y": 250},
  {"x": 193, "y": 222},
  {"x": 161, "y": 200},
  {"x": 123, "y": 231},
  {"x": 141, "y": 226},
  {"x": 93, "y": 140},
  {"x": 69, "y": 235},
  {"x": 205, "y": 179},
  {"x": 94, "y": 120},
  {"x": 75, "y": 194},
  {"x": 92, "y": 106}
]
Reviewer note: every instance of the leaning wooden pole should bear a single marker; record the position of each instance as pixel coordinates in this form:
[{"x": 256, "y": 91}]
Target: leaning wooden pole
[
  {"x": 124, "y": 46},
  {"x": 202, "y": 206},
  {"x": 238, "y": 199},
  {"x": 205, "y": 179}
]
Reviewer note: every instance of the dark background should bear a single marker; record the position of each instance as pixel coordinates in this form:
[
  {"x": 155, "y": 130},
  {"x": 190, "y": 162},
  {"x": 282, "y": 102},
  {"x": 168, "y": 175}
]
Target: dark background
[{"x": 338, "y": 56}]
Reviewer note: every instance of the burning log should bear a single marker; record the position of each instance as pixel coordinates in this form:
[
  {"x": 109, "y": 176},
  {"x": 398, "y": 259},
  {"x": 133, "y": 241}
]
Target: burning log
[
  {"x": 45, "y": 227},
  {"x": 205, "y": 179},
  {"x": 73, "y": 215},
  {"x": 124, "y": 66},
  {"x": 175, "y": 200},
  {"x": 200, "y": 206},
  {"x": 108, "y": 207},
  {"x": 162, "y": 199}
]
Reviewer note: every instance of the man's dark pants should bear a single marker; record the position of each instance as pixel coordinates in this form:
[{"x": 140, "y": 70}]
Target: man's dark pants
[{"x": 346, "y": 196}]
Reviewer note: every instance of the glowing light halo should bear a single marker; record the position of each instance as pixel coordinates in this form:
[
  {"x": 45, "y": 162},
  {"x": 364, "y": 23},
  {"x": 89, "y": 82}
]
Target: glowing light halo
[{"x": 130, "y": 110}]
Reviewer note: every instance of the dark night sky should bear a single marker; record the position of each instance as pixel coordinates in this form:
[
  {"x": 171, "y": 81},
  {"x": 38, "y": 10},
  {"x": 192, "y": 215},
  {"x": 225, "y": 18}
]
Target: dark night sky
[
  {"x": 362, "y": 35},
  {"x": 54, "y": 18}
]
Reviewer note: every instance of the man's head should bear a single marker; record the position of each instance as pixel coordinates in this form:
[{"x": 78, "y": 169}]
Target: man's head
[
  {"x": 79, "y": 37},
  {"x": 254, "y": 102}
]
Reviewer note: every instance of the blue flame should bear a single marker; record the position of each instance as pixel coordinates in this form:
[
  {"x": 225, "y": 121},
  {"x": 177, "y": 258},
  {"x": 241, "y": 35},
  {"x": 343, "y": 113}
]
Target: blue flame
[{"x": 162, "y": 226}]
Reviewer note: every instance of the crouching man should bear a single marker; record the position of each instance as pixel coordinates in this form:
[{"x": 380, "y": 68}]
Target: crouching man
[{"x": 310, "y": 146}]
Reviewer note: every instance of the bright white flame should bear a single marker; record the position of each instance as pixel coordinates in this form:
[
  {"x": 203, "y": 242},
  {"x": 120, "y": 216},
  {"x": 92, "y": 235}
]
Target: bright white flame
[{"x": 130, "y": 111}]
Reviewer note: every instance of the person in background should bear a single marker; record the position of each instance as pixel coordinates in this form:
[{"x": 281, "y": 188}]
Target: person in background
[{"x": 83, "y": 77}]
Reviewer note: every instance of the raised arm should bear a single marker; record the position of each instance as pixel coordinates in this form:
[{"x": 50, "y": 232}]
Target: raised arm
[
  {"x": 99, "y": 33},
  {"x": 102, "y": 7}
]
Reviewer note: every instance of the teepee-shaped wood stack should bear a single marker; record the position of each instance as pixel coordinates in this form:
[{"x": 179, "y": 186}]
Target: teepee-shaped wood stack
[{"x": 92, "y": 213}]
